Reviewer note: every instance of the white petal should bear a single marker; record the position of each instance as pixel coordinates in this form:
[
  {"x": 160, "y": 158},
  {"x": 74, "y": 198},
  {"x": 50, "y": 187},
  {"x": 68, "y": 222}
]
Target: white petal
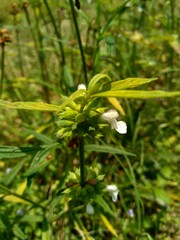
[
  {"x": 113, "y": 123},
  {"x": 113, "y": 191},
  {"x": 121, "y": 127},
  {"x": 81, "y": 86},
  {"x": 111, "y": 188},
  {"x": 114, "y": 196},
  {"x": 89, "y": 209},
  {"x": 110, "y": 115}
]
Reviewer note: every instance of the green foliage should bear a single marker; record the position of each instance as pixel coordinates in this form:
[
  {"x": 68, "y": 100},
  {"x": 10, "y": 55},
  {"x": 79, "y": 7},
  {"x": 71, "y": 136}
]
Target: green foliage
[{"x": 49, "y": 190}]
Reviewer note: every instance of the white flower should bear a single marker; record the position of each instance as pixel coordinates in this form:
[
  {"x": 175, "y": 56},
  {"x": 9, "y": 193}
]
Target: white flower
[
  {"x": 113, "y": 191},
  {"x": 110, "y": 117},
  {"x": 8, "y": 170},
  {"x": 81, "y": 86},
  {"x": 89, "y": 209},
  {"x": 89, "y": 1}
]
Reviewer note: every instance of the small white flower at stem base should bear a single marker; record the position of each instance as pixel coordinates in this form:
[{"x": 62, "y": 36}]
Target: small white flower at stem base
[
  {"x": 110, "y": 117},
  {"x": 81, "y": 86},
  {"x": 113, "y": 192},
  {"x": 89, "y": 209}
]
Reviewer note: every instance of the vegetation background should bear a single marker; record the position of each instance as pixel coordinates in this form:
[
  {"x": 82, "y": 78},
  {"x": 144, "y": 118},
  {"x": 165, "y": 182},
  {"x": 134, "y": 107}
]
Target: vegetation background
[{"x": 41, "y": 58}]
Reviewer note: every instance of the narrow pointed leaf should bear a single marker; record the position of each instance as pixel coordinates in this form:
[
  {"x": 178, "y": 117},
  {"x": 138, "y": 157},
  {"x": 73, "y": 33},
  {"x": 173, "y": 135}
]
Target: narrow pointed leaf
[
  {"x": 137, "y": 94},
  {"x": 7, "y": 152},
  {"x": 130, "y": 83},
  {"x": 107, "y": 149},
  {"x": 101, "y": 202},
  {"x": 9, "y": 177},
  {"x": 40, "y": 106},
  {"x": 117, "y": 105},
  {"x": 108, "y": 225},
  {"x": 20, "y": 190}
]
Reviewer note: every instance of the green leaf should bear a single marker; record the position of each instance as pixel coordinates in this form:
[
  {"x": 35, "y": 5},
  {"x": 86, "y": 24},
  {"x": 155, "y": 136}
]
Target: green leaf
[
  {"x": 130, "y": 83},
  {"x": 9, "y": 177},
  {"x": 99, "y": 82},
  {"x": 104, "y": 205},
  {"x": 137, "y": 94},
  {"x": 16, "y": 152},
  {"x": 40, "y": 136},
  {"x": 52, "y": 205},
  {"x": 40, "y": 106},
  {"x": 18, "y": 232},
  {"x": 39, "y": 162},
  {"x": 106, "y": 149},
  {"x": 108, "y": 225}
]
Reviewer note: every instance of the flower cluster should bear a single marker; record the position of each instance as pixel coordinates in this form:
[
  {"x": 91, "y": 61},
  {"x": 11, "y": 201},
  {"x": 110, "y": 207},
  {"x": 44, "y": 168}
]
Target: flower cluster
[{"x": 82, "y": 116}]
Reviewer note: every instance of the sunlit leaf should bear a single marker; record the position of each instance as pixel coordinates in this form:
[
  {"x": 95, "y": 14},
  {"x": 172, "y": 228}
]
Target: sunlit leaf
[
  {"x": 130, "y": 83},
  {"x": 19, "y": 191},
  {"x": 40, "y": 106},
  {"x": 117, "y": 105},
  {"x": 108, "y": 225},
  {"x": 137, "y": 94}
]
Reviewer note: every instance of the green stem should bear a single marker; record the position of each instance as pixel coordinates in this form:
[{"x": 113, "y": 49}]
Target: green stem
[
  {"x": 82, "y": 162},
  {"x": 2, "y": 67},
  {"x": 79, "y": 40}
]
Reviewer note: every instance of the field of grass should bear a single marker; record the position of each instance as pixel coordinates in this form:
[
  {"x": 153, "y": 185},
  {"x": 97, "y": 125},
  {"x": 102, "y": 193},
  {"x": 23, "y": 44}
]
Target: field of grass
[{"x": 67, "y": 169}]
